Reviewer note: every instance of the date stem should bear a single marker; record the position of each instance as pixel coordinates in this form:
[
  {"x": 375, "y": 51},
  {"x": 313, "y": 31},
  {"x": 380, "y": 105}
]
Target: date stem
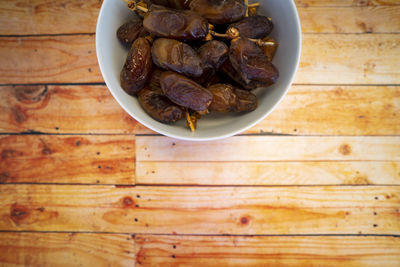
[
  {"x": 233, "y": 33},
  {"x": 189, "y": 121},
  {"x": 133, "y": 5}
]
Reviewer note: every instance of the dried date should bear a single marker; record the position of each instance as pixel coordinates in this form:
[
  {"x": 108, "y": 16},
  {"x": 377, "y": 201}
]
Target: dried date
[
  {"x": 173, "y": 55},
  {"x": 185, "y": 92},
  {"x": 256, "y": 27},
  {"x": 219, "y": 11},
  {"x": 227, "y": 98},
  {"x": 130, "y": 31},
  {"x": 175, "y": 24},
  {"x": 251, "y": 63},
  {"x": 159, "y": 106},
  {"x": 137, "y": 67}
]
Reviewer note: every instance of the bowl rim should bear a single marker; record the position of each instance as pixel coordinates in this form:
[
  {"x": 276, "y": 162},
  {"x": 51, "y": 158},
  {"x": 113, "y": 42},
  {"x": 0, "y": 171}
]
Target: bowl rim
[{"x": 217, "y": 137}]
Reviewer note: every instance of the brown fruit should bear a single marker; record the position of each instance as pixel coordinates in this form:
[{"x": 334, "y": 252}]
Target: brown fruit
[
  {"x": 159, "y": 106},
  {"x": 137, "y": 67},
  {"x": 219, "y": 11},
  {"x": 173, "y": 55},
  {"x": 176, "y": 24},
  {"x": 185, "y": 92},
  {"x": 130, "y": 31},
  {"x": 227, "y": 98},
  {"x": 256, "y": 27},
  {"x": 251, "y": 63}
]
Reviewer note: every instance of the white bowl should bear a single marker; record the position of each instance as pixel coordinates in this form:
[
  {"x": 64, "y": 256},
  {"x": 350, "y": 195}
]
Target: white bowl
[{"x": 111, "y": 56}]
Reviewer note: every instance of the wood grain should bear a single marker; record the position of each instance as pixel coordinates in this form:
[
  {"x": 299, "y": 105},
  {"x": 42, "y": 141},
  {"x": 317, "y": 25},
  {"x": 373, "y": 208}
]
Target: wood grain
[
  {"x": 364, "y": 59},
  {"x": 202, "y": 210},
  {"x": 269, "y": 148},
  {"x": 23, "y": 17},
  {"x": 66, "y": 249},
  {"x": 63, "y": 109},
  {"x": 349, "y": 59},
  {"x": 325, "y": 110},
  {"x": 335, "y": 110},
  {"x": 53, "y": 59},
  {"x": 103, "y": 159},
  {"x": 375, "y": 19},
  {"x": 267, "y": 251},
  {"x": 20, "y": 17},
  {"x": 268, "y": 173},
  {"x": 341, "y": 3}
]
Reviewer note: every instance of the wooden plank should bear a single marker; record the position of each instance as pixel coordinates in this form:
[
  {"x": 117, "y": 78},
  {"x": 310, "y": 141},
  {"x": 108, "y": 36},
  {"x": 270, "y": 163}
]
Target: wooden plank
[
  {"x": 66, "y": 249},
  {"x": 268, "y": 173},
  {"x": 23, "y": 17},
  {"x": 269, "y": 148},
  {"x": 267, "y": 251},
  {"x": 349, "y": 59},
  {"x": 202, "y": 210},
  {"x": 335, "y": 110},
  {"x": 51, "y": 59},
  {"x": 364, "y": 59},
  {"x": 20, "y": 17},
  {"x": 381, "y": 19},
  {"x": 67, "y": 159},
  {"x": 344, "y": 110},
  {"x": 63, "y": 109},
  {"x": 341, "y": 3}
]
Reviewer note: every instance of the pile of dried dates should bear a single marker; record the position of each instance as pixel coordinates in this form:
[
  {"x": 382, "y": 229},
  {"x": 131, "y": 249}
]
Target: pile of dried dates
[{"x": 189, "y": 57}]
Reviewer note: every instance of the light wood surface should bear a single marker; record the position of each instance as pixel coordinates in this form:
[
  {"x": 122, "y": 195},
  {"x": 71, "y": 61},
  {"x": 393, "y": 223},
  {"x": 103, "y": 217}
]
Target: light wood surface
[
  {"x": 84, "y": 159},
  {"x": 364, "y": 59},
  {"x": 201, "y": 210},
  {"x": 268, "y": 173},
  {"x": 310, "y": 109},
  {"x": 349, "y": 3},
  {"x": 63, "y": 59},
  {"x": 365, "y": 19},
  {"x": 314, "y": 184},
  {"x": 63, "y": 109},
  {"x": 266, "y": 251},
  {"x": 24, "y": 17},
  {"x": 66, "y": 249},
  {"x": 270, "y": 148}
]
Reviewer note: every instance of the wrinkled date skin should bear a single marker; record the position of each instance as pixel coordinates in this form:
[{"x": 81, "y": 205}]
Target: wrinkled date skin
[
  {"x": 185, "y": 92},
  {"x": 251, "y": 63},
  {"x": 256, "y": 27},
  {"x": 154, "y": 80},
  {"x": 227, "y": 98},
  {"x": 137, "y": 68},
  {"x": 159, "y": 106},
  {"x": 175, "y": 24},
  {"x": 219, "y": 11},
  {"x": 247, "y": 101},
  {"x": 173, "y": 55},
  {"x": 177, "y": 4},
  {"x": 130, "y": 31},
  {"x": 212, "y": 55},
  {"x": 228, "y": 70}
]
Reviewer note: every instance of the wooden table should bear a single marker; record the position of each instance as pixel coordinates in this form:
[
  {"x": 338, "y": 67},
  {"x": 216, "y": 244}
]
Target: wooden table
[{"x": 314, "y": 184}]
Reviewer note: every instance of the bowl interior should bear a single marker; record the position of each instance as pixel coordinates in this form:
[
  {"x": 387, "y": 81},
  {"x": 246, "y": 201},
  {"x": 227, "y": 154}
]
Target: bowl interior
[{"x": 111, "y": 56}]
